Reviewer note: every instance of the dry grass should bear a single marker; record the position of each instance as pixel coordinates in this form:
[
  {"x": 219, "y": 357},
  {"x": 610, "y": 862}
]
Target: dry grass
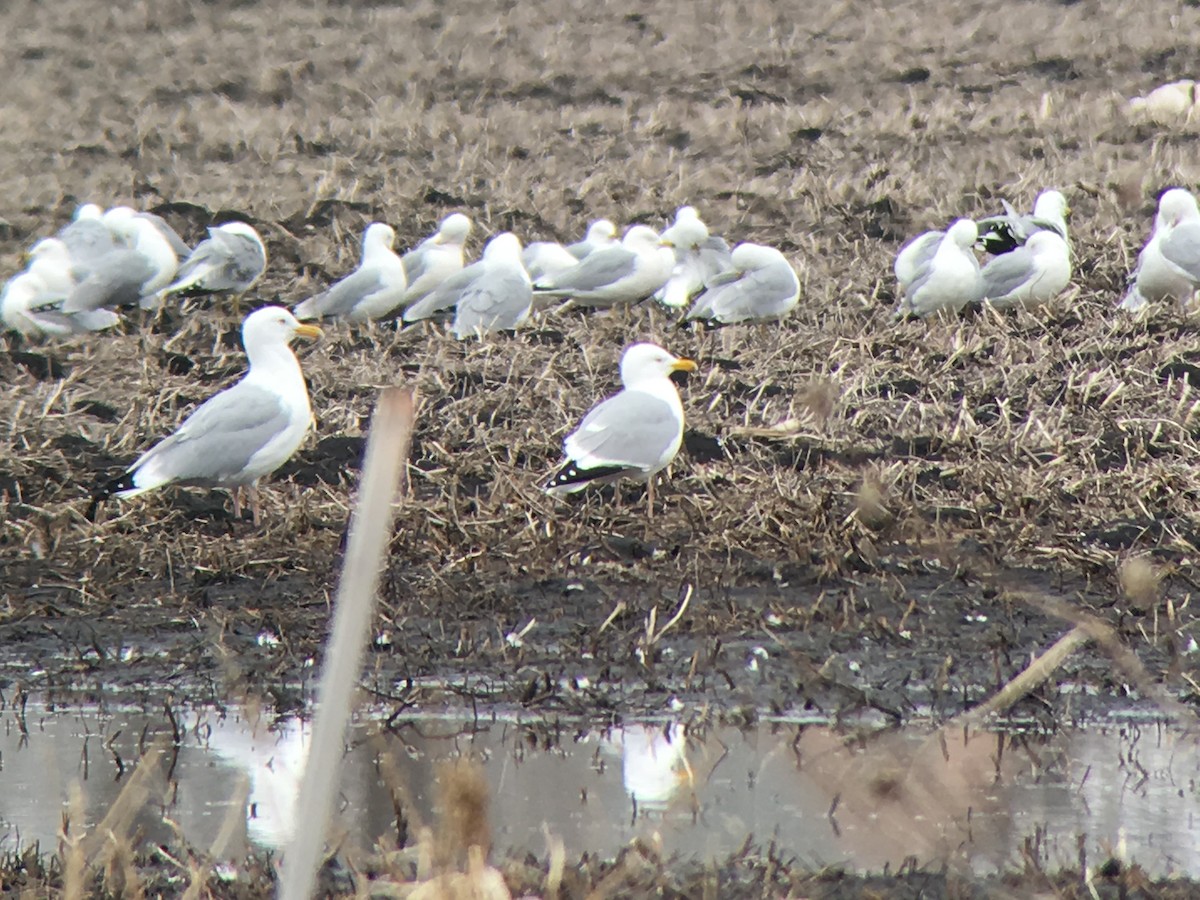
[{"x": 839, "y": 446}]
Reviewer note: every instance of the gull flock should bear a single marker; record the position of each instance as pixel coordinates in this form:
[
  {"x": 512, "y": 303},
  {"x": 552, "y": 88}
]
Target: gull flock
[{"x": 103, "y": 262}]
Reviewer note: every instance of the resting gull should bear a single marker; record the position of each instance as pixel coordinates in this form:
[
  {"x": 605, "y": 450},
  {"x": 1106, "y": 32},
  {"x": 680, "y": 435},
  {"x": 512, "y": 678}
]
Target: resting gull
[
  {"x": 620, "y": 274},
  {"x": 635, "y": 433},
  {"x": 761, "y": 284},
  {"x": 131, "y": 273},
  {"x": 230, "y": 261},
  {"x": 1168, "y": 267},
  {"x": 1004, "y": 233},
  {"x": 500, "y": 267},
  {"x": 950, "y": 279},
  {"x": 29, "y": 307},
  {"x": 371, "y": 291},
  {"x": 699, "y": 256},
  {"x": 435, "y": 259},
  {"x": 1031, "y": 275},
  {"x": 240, "y": 434}
]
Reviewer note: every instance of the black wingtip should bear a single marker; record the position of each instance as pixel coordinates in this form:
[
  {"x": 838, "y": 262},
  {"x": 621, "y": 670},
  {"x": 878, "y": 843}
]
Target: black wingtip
[
  {"x": 570, "y": 474},
  {"x": 106, "y": 490}
]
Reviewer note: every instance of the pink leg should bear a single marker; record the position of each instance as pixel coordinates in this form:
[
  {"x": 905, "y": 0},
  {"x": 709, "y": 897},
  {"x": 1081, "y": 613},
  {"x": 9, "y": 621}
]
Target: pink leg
[
  {"x": 650, "y": 498},
  {"x": 255, "y": 505},
  {"x": 236, "y": 493}
]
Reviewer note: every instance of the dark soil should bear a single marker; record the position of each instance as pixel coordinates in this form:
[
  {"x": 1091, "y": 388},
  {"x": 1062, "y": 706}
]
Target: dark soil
[{"x": 862, "y": 506}]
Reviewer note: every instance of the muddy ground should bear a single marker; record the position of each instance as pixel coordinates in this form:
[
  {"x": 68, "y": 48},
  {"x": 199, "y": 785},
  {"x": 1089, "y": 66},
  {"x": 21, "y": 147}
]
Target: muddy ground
[{"x": 865, "y": 512}]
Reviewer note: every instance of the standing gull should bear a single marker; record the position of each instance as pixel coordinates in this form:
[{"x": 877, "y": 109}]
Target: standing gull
[
  {"x": 620, "y": 274},
  {"x": 1031, "y": 275},
  {"x": 699, "y": 256},
  {"x": 1004, "y": 233},
  {"x": 1168, "y": 268},
  {"x": 435, "y": 259},
  {"x": 950, "y": 279},
  {"x": 761, "y": 284},
  {"x": 231, "y": 260},
  {"x": 371, "y": 291},
  {"x": 240, "y": 434},
  {"x": 635, "y": 433}
]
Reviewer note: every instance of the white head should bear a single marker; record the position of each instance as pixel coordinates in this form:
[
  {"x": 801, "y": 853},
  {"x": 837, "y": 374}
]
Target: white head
[
  {"x": 88, "y": 211},
  {"x": 378, "y": 237},
  {"x": 641, "y": 239},
  {"x": 964, "y": 233},
  {"x": 688, "y": 230},
  {"x": 1176, "y": 206},
  {"x": 601, "y": 232},
  {"x": 1052, "y": 206},
  {"x": 504, "y": 247},
  {"x": 643, "y": 361},
  {"x": 241, "y": 229},
  {"x": 454, "y": 229},
  {"x": 118, "y": 214},
  {"x": 273, "y": 327},
  {"x": 748, "y": 257}
]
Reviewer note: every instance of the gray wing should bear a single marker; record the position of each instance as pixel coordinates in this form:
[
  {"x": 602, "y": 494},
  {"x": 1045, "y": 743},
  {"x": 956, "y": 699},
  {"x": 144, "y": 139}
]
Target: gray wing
[
  {"x": 446, "y": 295},
  {"x": 178, "y": 244},
  {"x": 87, "y": 240},
  {"x": 596, "y": 270},
  {"x": 224, "y": 262},
  {"x": 115, "y": 280},
  {"x": 1007, "y": 273},
  {"x": 342, "y": 296},
  {"x": 761, "y": 294},
  {"x": 631, "y": 429},
  {"x": 498, "y": 303},
  {"x": 415, "y": 262},
  {"x": 1181, "y": 247},
  {"x": 915, "y": 256},
  {"x": 216, "y": 442}
]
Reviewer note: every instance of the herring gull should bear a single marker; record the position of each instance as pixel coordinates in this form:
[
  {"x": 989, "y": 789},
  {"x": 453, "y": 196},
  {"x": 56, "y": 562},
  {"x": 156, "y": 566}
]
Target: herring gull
[
  {"x": 634, "y": 433},
  {"x": 1168, "y": 268},
  {"x": 761, "y": 284},
  {"x": 371, "y": 291},
  {"x": 435, "y": 259},
  {"x": 1003, "y": 233},
  {"x": 1033, "y": 274},
  {"x": 950, "y": 279},
  {"x": 699, "y": 256},
  {"x": 131, "y": 273},
  {"x": 230, "y": 260},
  {"x": 241, "y": 434},
  {"x": 619, "y": 274}
]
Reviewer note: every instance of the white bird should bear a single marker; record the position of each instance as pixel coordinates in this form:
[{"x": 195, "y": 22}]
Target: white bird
[
  {"x": 545, "y": 258},
  {"x": 950, "y": 280},
  {"x": 493, "y": 294},
  {"x": 50, "y": 259},
  {"x": 436, "y": 258},
  {"x": 635, "y": 433},
  {"x": 761, "y": 284},
  {"x": 372, "y": 291},
  {"x": 231, "y": 260},
  {"x": 1169, "y": 265},
  {"x": 1004, "y": 233},
  {"x": 242, "y": 433},
  {"x": 119, "y": 214},
  {"x": 699, "y": 257},
  {"x": 1031, "y": 275},
  {"x": 1167, "y": 103},
  {"x": 131, "y": 273},
  {"x": 622, "y": 273},
  {"x": 30, "y": 308}
]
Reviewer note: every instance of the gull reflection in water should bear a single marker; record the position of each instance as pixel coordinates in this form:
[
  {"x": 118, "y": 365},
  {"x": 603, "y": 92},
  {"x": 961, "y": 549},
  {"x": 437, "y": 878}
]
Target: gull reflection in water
[
  {"x": 654, "y": 763},
  {"x": 273, "y": 759}
]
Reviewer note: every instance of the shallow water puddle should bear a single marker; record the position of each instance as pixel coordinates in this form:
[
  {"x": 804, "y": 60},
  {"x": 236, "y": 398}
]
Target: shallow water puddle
[{"x": 976, "y": 802}]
